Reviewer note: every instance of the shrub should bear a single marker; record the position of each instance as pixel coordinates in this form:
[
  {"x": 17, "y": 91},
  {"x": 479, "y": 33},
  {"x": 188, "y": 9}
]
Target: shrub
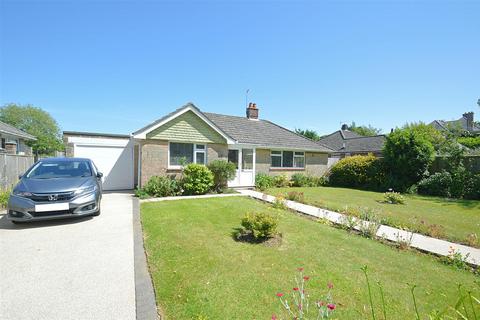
[
  {"x": 263, "y": 181},
  {"x": 302, "y": 180},
  {"x": 279, "y": 203},
  {"x": 470, "y": 142},
  {"x": 474, "y": 191},
  {"x": 408, "y": 152},
  {"x": 296, "y": 196},
  {"x": 393, "y": 198},
  {"x": 281, "y": 181},
  {"x": 197, "y": 179},
  {"x": 223, "y": 171},
  {"x": 358, "y": 172},
  {"x": 160, "y": 186},
  {"x": 261, "y": 225},
  {"x": 4, "y": 195},
  {"x": 437, "y": 184}
]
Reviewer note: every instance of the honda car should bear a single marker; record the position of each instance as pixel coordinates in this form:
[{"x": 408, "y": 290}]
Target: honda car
[{"x": 56, "y": 188}]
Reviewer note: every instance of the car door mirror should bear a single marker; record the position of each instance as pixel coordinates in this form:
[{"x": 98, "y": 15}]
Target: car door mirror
[{"x": 99, "y": 175}]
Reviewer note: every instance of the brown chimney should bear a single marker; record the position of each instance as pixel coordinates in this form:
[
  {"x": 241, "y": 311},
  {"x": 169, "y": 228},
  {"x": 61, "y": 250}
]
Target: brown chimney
[
  {"x": 469, "y": 117},
  {"x": 252, "y": 111}
]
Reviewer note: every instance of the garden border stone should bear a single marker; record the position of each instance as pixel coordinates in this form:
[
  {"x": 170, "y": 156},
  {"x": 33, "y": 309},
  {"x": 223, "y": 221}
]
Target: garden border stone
[{"x": 415, "y": 240}]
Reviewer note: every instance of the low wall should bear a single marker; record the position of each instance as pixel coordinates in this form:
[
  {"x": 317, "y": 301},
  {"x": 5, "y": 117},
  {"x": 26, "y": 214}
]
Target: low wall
[{"x": 11, "y": 166}]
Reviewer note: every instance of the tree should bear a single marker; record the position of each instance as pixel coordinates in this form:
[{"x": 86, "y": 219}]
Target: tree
[
  {"x": 364, "y": 130},
  {"x": 408, "y": 153},
  {"x": 36, "y": 122},
  {"x": 310, "y": 134}
]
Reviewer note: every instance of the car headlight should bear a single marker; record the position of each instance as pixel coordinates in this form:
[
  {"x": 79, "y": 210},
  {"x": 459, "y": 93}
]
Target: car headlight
[
  {"x": 85, "y": 190},
  {"x": 24, "y": 194}
]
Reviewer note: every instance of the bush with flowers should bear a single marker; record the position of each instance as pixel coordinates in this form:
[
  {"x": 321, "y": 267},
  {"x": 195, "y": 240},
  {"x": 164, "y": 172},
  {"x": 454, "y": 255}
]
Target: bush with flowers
[{"x": 296, "y": 305}]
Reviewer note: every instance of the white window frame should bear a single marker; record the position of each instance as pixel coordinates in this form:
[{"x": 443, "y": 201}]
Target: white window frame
[
  {"x": 296, "y": 154},
  {"x": 195, "y": 151}
]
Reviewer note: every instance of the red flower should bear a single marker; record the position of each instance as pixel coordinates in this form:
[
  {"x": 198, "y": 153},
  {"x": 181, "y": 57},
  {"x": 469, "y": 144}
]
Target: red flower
[
  {"x": 300, "y": 269},
  {"x": 331, "y": 306},
  {"x": 279, "y": 294},
  {"x": 306, "y": 278},
  {"x": 295, "y": 289},
  {"x": 274, "y": 317},
  {"x": 330, "y": 285}
]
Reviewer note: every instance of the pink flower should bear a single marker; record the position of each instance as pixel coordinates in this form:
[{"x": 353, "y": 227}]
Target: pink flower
[
  {"x": 330, "y": 285},
  {"x": 300, "y": 269},
  {"x": 331, "y": 306},
  {"x": 279, "y": 294},
  {"x": 295, "y": 289},
  {"x": 274, "y": 317},
  {"x": 300, "y": 306},
  {"x": 306, "y": 278}
]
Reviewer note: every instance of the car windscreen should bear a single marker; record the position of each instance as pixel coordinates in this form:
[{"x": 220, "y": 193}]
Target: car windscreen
[{"x": 60, "y": 169}]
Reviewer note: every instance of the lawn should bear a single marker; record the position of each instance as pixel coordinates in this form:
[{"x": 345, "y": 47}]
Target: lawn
[
  {"x": 200, "y": 272},
  {"x": 454, "y": 219}
]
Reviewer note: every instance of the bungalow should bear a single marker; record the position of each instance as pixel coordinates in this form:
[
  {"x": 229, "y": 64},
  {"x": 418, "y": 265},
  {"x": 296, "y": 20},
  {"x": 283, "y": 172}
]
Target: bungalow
[
  {"x": 12, "y": 140},
  {"x": 348, "y": 143},
  {"x": 252, "y": 144},
  {"x": 188, "y": 135}
]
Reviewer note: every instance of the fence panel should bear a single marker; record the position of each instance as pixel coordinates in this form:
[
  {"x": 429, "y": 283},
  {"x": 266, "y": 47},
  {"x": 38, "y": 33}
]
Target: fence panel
[{"x": 11, "y": 166}]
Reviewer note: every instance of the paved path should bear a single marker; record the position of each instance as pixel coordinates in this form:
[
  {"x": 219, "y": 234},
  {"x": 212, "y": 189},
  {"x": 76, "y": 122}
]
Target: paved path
[
  {"x": 424, "y": 243},
  {"x": 71, "y": 269}
]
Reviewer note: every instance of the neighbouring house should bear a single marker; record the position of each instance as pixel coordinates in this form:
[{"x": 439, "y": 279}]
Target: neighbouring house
[
  {"x": 187, "y": 135},
  {"x": 465, "y": 123},
  {"x": 348, "y": 143},
  {"x": 12, "y": 140},
  {"x": 15, "y": 156}
]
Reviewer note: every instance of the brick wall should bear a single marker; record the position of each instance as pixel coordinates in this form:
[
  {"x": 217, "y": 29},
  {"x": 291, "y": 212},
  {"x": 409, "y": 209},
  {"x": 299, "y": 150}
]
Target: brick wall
[{"x": 315, "y": 164}]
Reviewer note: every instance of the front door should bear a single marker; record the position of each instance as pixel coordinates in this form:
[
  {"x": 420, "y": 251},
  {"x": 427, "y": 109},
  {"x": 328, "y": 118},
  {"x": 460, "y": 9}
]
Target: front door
[{"x": 244, "y": 160}]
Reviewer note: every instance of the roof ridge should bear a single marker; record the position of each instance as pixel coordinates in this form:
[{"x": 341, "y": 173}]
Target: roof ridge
[{"x": 363, "y": 137}]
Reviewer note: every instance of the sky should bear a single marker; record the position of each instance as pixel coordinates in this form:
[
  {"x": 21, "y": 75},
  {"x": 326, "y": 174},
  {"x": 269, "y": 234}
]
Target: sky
[{"x": 115, "y": 66}]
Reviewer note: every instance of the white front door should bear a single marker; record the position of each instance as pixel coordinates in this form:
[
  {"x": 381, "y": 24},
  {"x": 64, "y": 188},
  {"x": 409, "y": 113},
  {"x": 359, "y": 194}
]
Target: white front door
[{"x": 244, "y": 160}]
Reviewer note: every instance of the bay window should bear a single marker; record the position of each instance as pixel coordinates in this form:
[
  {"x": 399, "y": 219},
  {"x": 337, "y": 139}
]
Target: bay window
[
  {"x": 287, "y": 159},
  {"x": 184, "y": 153}
]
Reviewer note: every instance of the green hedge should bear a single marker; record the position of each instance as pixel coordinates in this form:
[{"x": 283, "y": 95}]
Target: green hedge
[{"x": 363, "y": 172}]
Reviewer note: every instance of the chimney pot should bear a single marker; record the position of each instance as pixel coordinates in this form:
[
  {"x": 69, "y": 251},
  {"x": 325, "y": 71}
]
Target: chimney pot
[{"x": 344, "y": 127}]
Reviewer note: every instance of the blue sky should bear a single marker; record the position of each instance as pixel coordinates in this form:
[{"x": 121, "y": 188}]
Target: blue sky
[{"x": 113, "y": 67}]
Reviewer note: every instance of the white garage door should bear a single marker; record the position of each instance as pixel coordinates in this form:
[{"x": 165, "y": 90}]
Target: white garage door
[{"x": 112, "y": 157}]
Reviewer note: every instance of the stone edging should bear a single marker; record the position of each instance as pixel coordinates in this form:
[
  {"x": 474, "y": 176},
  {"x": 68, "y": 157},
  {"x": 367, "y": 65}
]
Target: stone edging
[
  {"x": 416, "y": 240},
  {"x": 194, "y": 197},
  {"x": 145, "y": 303}
]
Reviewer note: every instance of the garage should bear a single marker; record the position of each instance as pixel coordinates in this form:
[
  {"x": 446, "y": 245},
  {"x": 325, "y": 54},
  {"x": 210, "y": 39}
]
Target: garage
[{"x": 111, "y": 153}]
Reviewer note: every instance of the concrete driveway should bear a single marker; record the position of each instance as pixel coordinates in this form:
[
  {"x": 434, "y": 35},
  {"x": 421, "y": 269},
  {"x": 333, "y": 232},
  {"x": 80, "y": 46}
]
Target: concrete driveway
[{"x": 70, "y": 269}]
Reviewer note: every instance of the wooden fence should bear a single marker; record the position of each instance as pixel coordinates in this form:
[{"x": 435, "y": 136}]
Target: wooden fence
[{"x": 11, "y": 166}]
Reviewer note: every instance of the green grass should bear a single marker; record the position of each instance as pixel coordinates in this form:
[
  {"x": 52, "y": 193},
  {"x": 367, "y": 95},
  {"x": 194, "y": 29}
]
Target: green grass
[
  {"x": 459, "y": 218},
  {"x": 199, "y": 270}
]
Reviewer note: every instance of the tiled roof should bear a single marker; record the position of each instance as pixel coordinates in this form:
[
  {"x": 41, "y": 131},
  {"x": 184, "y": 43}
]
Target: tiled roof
[
  {"x": 349, "y": 141},
  {"x": 262, "y": 133},
  {"x": 8, "y": 129}
]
